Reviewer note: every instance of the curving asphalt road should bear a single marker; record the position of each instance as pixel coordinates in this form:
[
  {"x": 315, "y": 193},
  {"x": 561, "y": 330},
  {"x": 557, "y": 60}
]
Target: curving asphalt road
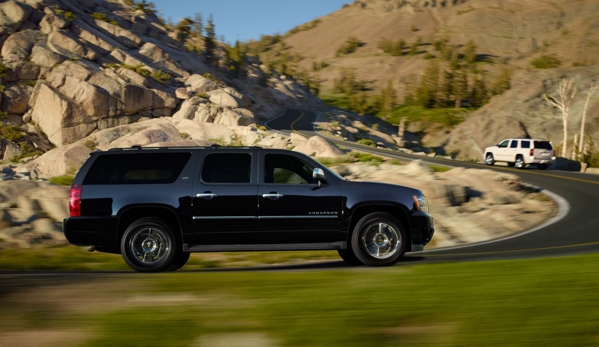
[{"x": 575, "y": 230}]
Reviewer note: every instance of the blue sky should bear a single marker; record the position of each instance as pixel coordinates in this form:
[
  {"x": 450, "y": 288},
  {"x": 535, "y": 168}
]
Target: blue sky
[{"x": 248, "y": 19}]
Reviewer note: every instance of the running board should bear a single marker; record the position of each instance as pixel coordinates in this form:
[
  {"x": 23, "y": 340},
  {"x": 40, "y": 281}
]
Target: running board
[{"x": 266, "y": 247}]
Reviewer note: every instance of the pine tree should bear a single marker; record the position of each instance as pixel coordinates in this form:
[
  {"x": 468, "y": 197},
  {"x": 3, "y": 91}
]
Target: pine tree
[
  {"x": 387, "y": 100},
  {"x": 198, "y": 24},
  {"x": 503, "y": 82},
  {"x": 460, "y": 87},
  {"x": 479, "y": 95},
  {"x": 184, "y": 28},
  {"x": 470, "y": 52},
  {"x": 445, "y": 89},
  {"x": 210, "y": 42},
  {"x": 427, "y": 91}
]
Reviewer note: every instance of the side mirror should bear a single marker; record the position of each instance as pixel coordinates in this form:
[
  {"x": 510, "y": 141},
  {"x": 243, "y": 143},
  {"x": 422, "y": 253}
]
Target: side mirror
[{"x": 318, "y": 175}]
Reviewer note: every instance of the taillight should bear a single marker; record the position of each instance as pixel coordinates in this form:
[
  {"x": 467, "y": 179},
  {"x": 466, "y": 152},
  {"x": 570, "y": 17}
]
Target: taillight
[
  {"x": 75, "y": 200},
  {"x": 532, "y": 152}
]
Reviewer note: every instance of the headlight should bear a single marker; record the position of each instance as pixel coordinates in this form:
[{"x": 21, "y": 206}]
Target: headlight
[{"x": 421, "y": 203}]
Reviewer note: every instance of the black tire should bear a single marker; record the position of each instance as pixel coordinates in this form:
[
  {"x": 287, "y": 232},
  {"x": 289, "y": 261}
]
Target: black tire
[
  {"x": 179, "y": 261},
  {"x": 511, "y": 164},
  {"x": 149, "y": 245},
  {"x": 379, "y": 239},
  {"x": 542, "y": 167},
  {"x": 520, "y": 164},
  {"x": 349, "y": 257},
  {"x": 489, "y": 159}
]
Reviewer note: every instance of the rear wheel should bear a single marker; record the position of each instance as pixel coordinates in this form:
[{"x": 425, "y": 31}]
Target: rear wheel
[
  {"x": 379, "y": 239},
  {"x": 489, "y": 159},
  {"x": 149, "y": 245},
  {"x": 519, "y": 162}
]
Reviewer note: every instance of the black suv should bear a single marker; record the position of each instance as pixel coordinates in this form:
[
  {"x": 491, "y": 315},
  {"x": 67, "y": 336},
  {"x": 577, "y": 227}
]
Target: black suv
[{"x": 156, "y": 205}]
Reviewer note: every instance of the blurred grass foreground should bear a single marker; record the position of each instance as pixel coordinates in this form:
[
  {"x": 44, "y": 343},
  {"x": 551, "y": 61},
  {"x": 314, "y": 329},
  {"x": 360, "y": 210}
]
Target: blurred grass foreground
[{"x": 538, "y": 302}]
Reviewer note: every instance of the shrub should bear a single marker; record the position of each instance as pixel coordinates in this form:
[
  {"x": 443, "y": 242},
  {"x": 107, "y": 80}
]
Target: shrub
[
  {"x": 367, "y": 142},
  {"x": 103, "y": 17},
  {"x": 368, "y": 158},
  {"x": 350, "y": 45},
  {"x": 161, "y": 76},
  {"x": 11, "y": 132},
  {"x": 546, "y": 62}
]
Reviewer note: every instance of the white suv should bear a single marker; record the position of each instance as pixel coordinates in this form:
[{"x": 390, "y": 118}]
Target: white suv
[{"x": 521, "y": 153}]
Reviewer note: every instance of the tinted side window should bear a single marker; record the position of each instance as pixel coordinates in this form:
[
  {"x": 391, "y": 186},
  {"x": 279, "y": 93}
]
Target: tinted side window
[
  {"x": 287, "y": 169},
  {"x": 514, "y": 144},
  {"x": 227, "y": 168},
  {"x": 543, "y": 145},
  {"x": 525, "y": 144},
  {"x": 138, "y": 168}
]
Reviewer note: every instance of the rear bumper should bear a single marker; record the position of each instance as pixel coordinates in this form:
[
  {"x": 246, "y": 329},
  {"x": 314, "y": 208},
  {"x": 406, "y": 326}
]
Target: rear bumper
[
  {"x": 91, "y": 231},
  {"x": 543, "y": 161}
]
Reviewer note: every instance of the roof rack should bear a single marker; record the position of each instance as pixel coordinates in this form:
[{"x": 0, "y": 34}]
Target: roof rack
[{"x": 213, "y": 146}]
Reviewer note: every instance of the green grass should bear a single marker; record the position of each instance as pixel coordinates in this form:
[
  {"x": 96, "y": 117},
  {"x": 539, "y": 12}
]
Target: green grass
[
  {"x": 336, "y": 100},
  {"x": 439, "y": 168},
  {"x": 63, "y": 180},
  {"x": 445, "y": 117},
  {"x": 538, "y": 302}
]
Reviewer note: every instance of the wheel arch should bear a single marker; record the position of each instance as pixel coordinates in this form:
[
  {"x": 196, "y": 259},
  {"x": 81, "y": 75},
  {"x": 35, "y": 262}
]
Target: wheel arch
[
  {"x": 131, "y": 214},
  {"x": 398, "y": 212}
]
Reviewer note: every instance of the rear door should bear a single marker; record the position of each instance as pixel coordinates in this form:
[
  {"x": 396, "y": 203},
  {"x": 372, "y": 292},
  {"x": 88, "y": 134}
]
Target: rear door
[{"x": 224, "y": 198}]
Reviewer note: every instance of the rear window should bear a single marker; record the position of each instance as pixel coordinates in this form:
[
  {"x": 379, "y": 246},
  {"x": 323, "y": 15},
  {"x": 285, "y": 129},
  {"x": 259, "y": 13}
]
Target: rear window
[
  {"x": 543, "y": 145},
  {"x": 138, "y": 168},
  {"x": 227, "y": 168}
]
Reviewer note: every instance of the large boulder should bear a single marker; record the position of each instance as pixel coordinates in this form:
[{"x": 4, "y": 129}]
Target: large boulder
[
  {"x": 318, "y": 147},
  {"x": 232, "y": 118},
  {"x": 12, "y": 15},
  {"x": 199, "y": 84},
  {"x": 17, "y": 46},
  {"x": 64, "y": 43},
  {"x": 222, "y": 98},
  {"x": 43, "y": 56}
]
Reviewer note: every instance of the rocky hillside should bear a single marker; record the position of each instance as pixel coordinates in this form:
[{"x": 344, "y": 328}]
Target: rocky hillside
[
  {"x": 71, "y": 69},
  {"x": 507, "y": 34}
]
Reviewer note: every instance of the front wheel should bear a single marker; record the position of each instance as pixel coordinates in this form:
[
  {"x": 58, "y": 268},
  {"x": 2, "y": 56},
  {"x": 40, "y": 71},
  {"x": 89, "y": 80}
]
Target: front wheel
[
  {"x": 349, "y": 257},
  {"x": 489, "y": 159},
  {"x": 379, "y": 239},
  {"x": 149, "y": 245}
]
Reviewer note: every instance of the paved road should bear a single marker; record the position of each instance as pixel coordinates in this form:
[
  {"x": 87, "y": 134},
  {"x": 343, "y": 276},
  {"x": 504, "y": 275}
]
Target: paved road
[{"x": 574, "y": 231}]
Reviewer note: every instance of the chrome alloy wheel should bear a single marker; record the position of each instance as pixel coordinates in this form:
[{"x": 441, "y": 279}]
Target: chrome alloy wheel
[
  {"x": 381, "y": 240},
  {"x": 149, "y": 245},
  {"x": 489, "y": 160}
]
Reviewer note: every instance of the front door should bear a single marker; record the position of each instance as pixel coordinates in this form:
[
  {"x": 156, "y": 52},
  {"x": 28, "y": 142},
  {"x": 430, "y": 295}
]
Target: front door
[
  {"x": 225, "y": 207},
  {"x": 293, "y": 207}
]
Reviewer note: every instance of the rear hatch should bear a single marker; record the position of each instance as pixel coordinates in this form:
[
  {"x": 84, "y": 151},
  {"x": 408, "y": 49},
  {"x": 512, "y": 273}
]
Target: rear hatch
[{"x": 543, "y": 150}]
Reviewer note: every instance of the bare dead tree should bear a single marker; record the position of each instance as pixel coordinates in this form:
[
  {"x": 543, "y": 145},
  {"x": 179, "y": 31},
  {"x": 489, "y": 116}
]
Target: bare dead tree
[
  {"x": 566, "y": 92},
  {"x": 592, "y": 89}
]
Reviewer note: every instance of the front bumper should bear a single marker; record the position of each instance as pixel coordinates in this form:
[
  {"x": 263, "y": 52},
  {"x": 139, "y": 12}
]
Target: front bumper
[{"x": 423, "y": 229}]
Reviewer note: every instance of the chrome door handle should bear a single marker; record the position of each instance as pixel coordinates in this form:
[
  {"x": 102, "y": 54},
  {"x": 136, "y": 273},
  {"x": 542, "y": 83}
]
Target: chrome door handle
[
  {"x": 206, "y": 196},
  {"x": 272, "y": 196}
]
